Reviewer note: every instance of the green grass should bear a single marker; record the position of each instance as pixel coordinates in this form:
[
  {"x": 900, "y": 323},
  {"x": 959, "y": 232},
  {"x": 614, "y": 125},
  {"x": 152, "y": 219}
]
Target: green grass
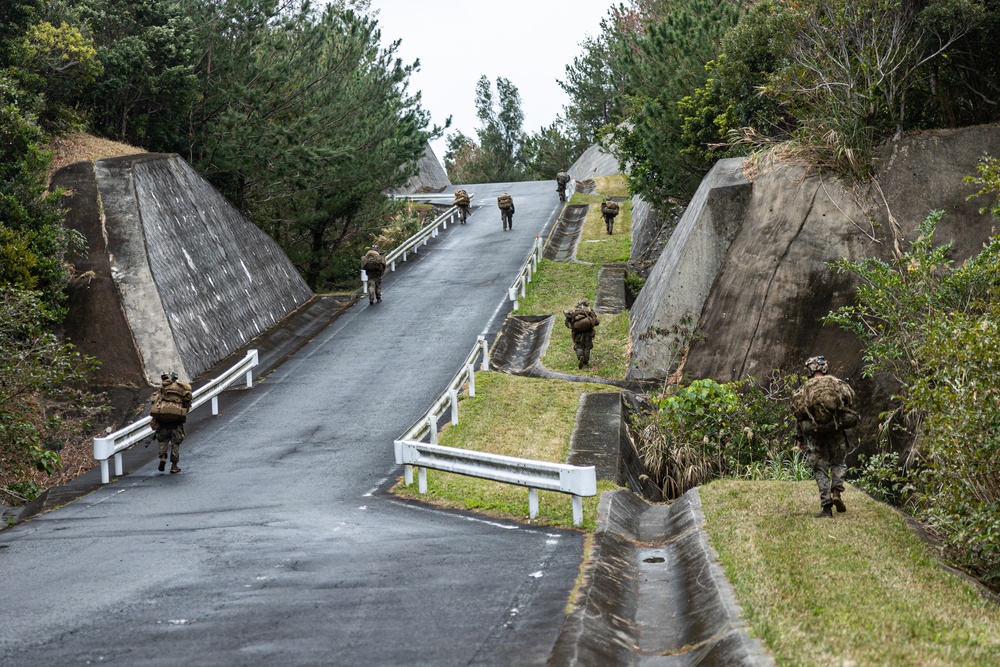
[
  {"x": 558, "y": 286},
  {"x": 513, "y": 416},
  {"x": 608, "y": 359},
  {"x": 860, "y": 589},
  {"x": 595, "y": 244}
]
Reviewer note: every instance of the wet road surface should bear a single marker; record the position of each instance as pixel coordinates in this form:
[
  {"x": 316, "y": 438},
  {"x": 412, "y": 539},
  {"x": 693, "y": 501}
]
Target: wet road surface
[{"x": 277, "y": 545}]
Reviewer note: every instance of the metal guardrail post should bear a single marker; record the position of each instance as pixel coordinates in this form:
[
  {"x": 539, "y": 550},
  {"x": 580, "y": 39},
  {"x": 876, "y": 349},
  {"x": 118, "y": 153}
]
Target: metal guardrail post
[
  {"x": 453, "y": 395},
  {"x": 364, "y": 281},
  {"x": 532, "y": 503},
  {"x": 471, "y": 372},
  {"x": 432, "y": 425},
  {"x": 485, "y": 366},
  {"x": 512, "y": 295},
  {"x": 577, "y": 510}
]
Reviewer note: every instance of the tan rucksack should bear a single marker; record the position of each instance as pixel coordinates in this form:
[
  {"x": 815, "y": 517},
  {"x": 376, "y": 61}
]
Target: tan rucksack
[
  {"x": 825, "y": 401},
  {"x": 171, "y": 403},
  {"x": 562, "y": 178},
  {"x": 505, "y": 201},
  {"x": 372, "y": 261},
  {"x": 461, "y": 198},
  {"x": 611, "y": 207}
]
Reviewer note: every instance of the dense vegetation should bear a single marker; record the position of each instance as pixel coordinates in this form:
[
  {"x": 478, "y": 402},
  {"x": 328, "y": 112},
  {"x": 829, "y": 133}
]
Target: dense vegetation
[
  {"x": 294, "y": 111},
  {"x": 669, "y": 87}
]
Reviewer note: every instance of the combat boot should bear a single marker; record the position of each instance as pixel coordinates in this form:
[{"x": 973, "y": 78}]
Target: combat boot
[
  {"x": 826, "y": 512},
  {"x": 837, "y": 502},
  {"x": 163, "y": 463},
  {"x": 174, "y": 468}
]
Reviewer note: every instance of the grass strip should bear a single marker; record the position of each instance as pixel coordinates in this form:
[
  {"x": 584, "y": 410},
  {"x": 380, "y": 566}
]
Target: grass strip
[
  {"x": 512, "y": 416},
  {"x": 860, "y": 589}
]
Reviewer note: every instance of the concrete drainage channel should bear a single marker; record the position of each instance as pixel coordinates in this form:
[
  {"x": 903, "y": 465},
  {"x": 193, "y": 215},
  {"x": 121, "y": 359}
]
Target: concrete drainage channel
[{"x": 655, "y": 594}]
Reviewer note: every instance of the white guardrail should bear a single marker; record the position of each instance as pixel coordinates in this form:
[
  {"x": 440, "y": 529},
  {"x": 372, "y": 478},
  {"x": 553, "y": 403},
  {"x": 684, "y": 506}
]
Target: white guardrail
[
  {"x": 429, "y": 231},
  {"x": 115, "y": 443},
  {"x": 578, "y": 481},
  {"x": 529, "y": 267}
]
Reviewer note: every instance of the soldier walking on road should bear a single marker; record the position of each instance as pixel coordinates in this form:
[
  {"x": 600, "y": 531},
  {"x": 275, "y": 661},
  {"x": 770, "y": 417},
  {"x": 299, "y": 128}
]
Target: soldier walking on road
[
  {"x": 374, "y": 265},
  {"x": 506, "y": 205},
  {"x": 462, "y": 201},
  {"x": 823, "y": 408},
  {"x": 169, "y": 407},
  {"x": 581, "y": 320},
  {"x": 609, "y": 210},
  {"x": 562, "y": 179}
]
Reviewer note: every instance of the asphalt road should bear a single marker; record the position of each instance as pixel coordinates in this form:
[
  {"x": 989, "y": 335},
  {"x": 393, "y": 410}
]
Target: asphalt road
[{"x": 277, "y": 544}]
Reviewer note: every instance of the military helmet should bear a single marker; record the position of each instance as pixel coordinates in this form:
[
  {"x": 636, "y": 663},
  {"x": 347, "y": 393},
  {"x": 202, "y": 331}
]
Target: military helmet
[
  {"x": 173, "y": 376},
  {"x": 376, "y": 247},
  {"x": 817, "y": 364},
  {"x": 583, "y": 302},
  {"x": 164, "y": 376}
]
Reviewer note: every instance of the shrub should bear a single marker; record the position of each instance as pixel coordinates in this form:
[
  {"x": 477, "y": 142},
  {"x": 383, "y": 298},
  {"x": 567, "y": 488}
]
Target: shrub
[
  {"x": 934, "y": 327},
  {"x": 706, "y": 430}
]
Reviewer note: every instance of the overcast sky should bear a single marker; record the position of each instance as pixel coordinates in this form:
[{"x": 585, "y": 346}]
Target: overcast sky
[{"x": 529, "y": 42}]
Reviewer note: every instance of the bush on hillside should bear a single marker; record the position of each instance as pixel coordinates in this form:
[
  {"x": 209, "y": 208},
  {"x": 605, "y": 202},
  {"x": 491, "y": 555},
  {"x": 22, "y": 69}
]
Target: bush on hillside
[
  {"x": 935, "y": 327},
  {"x": 706, "y": 430}
]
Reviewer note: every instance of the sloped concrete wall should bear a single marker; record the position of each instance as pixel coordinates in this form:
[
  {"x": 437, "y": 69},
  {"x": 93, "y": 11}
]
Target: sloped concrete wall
[
  {"x": 594, "y": 162},
  {"x": 194, "y": 278},
  {"x": 431, "y": 176},
  {"x": 682, "y": 279}
]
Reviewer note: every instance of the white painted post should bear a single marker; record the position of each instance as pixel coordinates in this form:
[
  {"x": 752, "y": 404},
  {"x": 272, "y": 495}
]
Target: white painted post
[
  {"x": 524, "y": 289},
  {"x": 364, "y": 281},
  {"x": 105, "y": 472},
  {"x": 453, "y": 395},
  {"x": 404, "y": 255},
  {"x": 512, "y": 295},
  {"x": 408, "y": 474},
  {"x": 471, "y": 372},
  {"x": 426, "y": 239},
  {"x": 215, "y": 405},
  {"x": 256, "y": 360},
  {"x": 532, "y": 502},
  {"x": 434, "y": 234},
  {"x": 119, "y": 471},
  {"x": 433, "y": 426},
  {"x": 422, "y": 480},
  {"x": 577, "y": 511},
  {"x": 485, "y": 366}
]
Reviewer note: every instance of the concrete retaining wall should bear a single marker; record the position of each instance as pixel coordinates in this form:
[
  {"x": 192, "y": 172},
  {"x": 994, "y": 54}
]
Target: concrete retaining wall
[
  {"x": 594, "y": 162},
  {"x": 680, "y": 283},
  {"x": 193, "y": 277}
]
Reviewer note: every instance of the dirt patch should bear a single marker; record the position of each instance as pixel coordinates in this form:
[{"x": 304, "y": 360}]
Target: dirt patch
[{"x": 79, "y": 147}]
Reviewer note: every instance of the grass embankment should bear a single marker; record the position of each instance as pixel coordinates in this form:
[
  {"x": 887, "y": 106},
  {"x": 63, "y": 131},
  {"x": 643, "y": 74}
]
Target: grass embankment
[
  {"x": 859, "y": 590},
  {"x": 512, "y": 416}
]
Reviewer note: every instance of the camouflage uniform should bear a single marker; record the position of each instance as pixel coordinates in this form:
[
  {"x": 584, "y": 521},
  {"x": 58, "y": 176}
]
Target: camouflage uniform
[
  {"x": 562, "y": 179},
  {"x": 825, "y": 454},
  {"x": 583, "y": 341},
  {"x": 507, "y": 215},
  {"x": 375, "y": 275},
  {"x": 825, "y": 449},
  {"x": 609, "y": 215},
  {"x": 170, "y": 435}
]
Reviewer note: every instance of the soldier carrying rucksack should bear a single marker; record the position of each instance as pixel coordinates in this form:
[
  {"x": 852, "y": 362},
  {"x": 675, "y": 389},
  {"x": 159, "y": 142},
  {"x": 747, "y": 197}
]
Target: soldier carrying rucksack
[
  {"x": 824, "y": 410},
  {"x": 462, "y": 201},
  {"x": 562, "y": 179},
  {"x": 609, "y": 210},
  {"x": 374, "y": 264},
  {"x": 506, "y": 205},
  {"x": 169, "y": 408},
  {"x": 581, "y": 321}
]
